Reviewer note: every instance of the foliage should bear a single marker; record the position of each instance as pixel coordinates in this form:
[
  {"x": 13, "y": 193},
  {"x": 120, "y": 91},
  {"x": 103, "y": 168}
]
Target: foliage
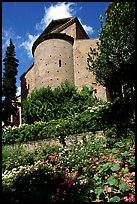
[
  {"x": 47, "y": 104},
  {"x": 9, "y": 83},
  {"x": 115, "y": 63},
  {"x": 92, "y": 119},
  {"x": 85, "y": 170}
]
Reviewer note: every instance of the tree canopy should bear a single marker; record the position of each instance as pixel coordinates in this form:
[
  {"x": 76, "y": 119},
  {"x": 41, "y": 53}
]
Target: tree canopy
[{"x": 114, "y": 61}]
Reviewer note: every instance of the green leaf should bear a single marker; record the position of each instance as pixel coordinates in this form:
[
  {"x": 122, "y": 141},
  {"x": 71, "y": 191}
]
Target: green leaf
[
  {"x": 96, "y": 177},
  {"x": 123, "y": 186},
  {"x": 115, "y": 150},
  {"x": 98, "y": 191},
  {"x": 114, "y": 199},
  {"x": 119, "y": 144},
  {"x": 125, "y": 153},
  {"x": 112, "y": 181},
  {"x": 115, "y": 167},
  {"x": 126, "y": 170}
]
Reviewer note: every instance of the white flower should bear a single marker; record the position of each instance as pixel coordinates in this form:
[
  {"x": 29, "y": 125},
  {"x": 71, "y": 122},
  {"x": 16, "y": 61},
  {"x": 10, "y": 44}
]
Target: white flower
[{"x": 94, "y": 107}]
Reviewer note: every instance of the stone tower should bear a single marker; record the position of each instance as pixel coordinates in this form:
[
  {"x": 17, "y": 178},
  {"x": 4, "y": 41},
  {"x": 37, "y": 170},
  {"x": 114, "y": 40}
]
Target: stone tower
[{"x": 60, "y": 53}]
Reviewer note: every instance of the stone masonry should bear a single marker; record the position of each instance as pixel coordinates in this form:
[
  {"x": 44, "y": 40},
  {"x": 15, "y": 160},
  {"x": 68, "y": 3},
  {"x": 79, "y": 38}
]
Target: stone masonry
[{"x": 60, "y": 53}]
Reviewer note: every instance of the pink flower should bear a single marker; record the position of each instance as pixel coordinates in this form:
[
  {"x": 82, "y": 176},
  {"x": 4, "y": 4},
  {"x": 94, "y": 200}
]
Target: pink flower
[
  {"x": 131, "y": 148},
  {"x": 68, "y": 175},
  {"x": 103, "y": 157},
  {"x": 55, "y": 153},
  {"x": 132, "y": 174},
  {"x": 125, "y": 198},
  {"x": 133, "y": 185},
  {"x": 96, "y": 159},
  {"x": 67, "y": 170},
  {"x": 120, "y": 163},
  {"x": 76, "y": 174},
  {"x": 43, "y": 161},
  {"x": 130, "y": 155},
  {"x": 96, "y": 173},
  {"x": 113, "y": 136},
  {"x": 131, "y": 198},
  {"x": 52, "y": 158}
]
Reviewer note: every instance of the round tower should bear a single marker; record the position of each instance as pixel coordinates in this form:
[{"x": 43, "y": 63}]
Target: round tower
[{"x": 53, "y": 60}]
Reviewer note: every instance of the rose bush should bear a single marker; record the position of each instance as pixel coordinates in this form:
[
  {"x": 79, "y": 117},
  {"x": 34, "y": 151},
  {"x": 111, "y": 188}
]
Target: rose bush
[{"x": 84, "y": 170}]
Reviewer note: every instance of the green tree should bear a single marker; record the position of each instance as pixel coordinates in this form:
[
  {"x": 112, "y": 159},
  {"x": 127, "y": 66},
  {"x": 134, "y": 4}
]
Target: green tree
[
  {"x": 9, "y": 83},
  {"x": 113, "y": 62}
]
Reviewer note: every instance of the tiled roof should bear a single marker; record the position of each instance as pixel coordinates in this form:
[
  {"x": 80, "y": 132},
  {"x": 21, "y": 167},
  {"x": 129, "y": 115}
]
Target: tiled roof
[{"x": 56, "y": 26}]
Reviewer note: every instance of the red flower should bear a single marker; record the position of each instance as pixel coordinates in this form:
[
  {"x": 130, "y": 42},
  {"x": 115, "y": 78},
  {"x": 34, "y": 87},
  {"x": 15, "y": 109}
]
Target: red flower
[
  {"x": 120, "y": 163},
  {"x": 96, "y": 159},
  {"x": 52, "y": 158},
  {"x": 127, "y": 166}
]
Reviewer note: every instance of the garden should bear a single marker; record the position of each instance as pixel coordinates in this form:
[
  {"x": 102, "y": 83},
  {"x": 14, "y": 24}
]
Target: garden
[
  {"x": 88, "y": 160},
  {"x": 86, "y": 170},
  {"x": 72, "y": 146}
]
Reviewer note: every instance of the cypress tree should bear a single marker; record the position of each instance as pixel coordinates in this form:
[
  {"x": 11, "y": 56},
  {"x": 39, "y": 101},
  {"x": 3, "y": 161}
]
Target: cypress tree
[{"x": 9, "y": 83}]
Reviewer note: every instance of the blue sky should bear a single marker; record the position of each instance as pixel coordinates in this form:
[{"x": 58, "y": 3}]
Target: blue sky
[{"x": 23, "y": 22}]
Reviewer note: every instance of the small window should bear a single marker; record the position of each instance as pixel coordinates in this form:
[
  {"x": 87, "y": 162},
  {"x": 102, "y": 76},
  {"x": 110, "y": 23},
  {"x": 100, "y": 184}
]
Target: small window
[
  {"x": 28, "y": 86},
  {"x": 59, "y": 63}
]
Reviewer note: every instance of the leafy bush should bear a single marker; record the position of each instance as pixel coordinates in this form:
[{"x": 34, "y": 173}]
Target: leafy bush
[
  {"x": 47, "y": 104},
  {"x": 83, "y": 171},
  {"x": 89, "y": 120}
]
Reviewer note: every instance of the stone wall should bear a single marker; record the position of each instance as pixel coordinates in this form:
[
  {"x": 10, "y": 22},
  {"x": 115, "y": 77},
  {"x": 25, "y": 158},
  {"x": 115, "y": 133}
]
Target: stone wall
[
  {"x": 82, "y": 76},
  {"x": 53, "y": 63},
  {"x": 57, "y": 60}
]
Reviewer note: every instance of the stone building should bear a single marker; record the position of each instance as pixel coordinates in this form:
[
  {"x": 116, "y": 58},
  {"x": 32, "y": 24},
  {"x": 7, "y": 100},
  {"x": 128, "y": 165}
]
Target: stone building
[{"x": 60, "y": 53}]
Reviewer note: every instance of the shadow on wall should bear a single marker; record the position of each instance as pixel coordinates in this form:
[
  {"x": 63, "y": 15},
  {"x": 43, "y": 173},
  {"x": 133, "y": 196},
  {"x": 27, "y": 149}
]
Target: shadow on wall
[{"x": 24, "y": 89}]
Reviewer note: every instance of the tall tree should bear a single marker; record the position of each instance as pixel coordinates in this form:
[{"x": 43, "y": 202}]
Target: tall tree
[
  {"x": 9, "y": 83},
  {"x": 114, "y": 66}
]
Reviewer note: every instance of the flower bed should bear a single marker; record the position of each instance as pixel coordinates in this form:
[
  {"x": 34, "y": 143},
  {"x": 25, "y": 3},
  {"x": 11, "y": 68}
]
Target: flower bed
[{"x": 83, "y": 171}]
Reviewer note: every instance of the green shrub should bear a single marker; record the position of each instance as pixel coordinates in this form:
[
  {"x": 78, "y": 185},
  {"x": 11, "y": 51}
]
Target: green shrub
[
  {"x": 47, "y": 104},
  {"x": 88, "y": 120}
]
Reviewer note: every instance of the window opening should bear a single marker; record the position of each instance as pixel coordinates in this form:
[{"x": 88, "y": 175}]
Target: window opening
[{"x": 59, "y": 63}]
